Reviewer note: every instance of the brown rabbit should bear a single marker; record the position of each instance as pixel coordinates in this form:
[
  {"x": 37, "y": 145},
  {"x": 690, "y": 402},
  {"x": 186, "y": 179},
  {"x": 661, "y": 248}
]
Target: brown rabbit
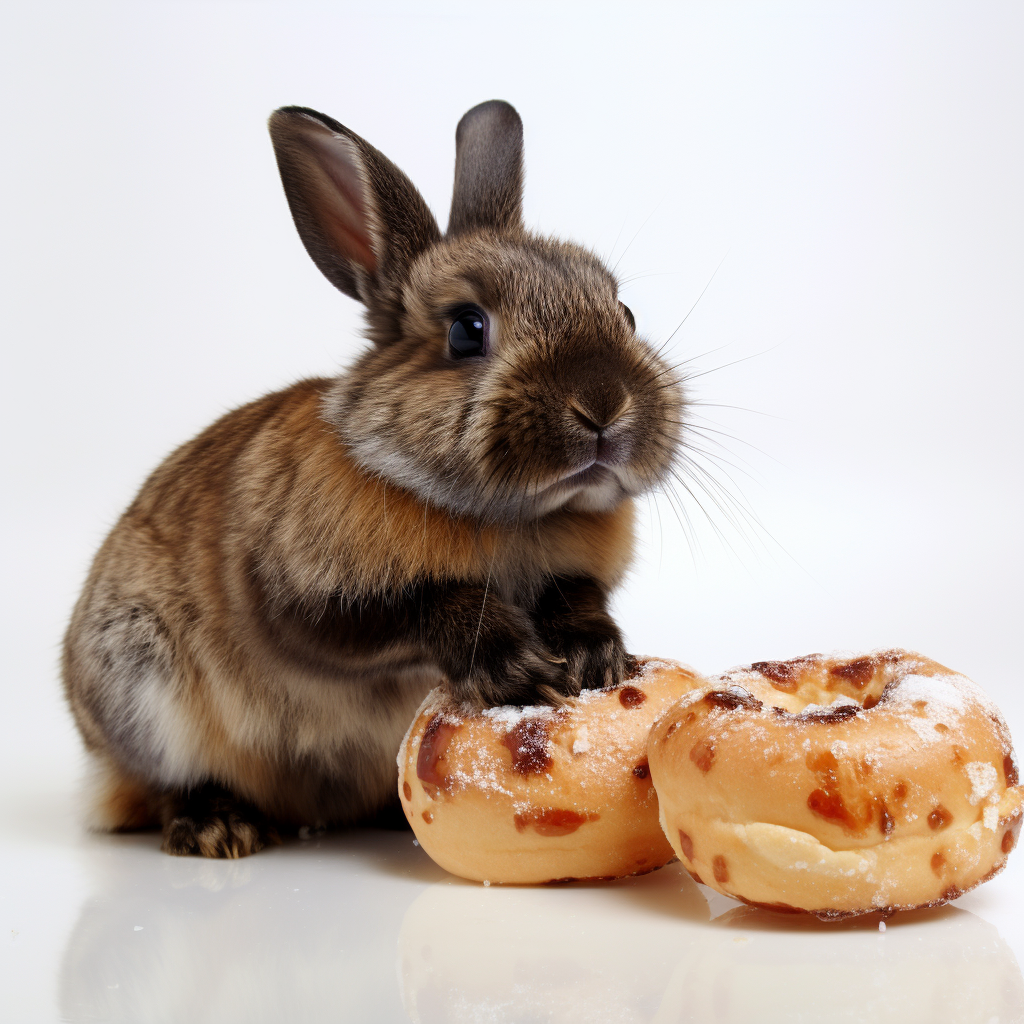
[{"x": 260, "y": 626}]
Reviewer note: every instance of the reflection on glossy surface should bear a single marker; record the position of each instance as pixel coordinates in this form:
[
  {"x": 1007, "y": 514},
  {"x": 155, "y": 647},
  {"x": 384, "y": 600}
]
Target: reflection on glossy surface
[
  {"x": 304, "y": 933},
  {"x": 645, "y": 950},
  {"x": 585, "y": 953},
  {"x": 944, "y": 965},
  {"x": 311, "y": 932}
]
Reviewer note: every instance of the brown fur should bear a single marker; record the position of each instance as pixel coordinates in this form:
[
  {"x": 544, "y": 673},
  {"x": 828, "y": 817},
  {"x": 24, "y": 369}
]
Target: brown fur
[{"x": 261, "y": 624}]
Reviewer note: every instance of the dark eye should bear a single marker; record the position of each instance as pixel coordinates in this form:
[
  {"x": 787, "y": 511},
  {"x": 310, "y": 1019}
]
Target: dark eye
[
  {"x": 629, "y": 315},
  {"x": 467, "y": 335}
]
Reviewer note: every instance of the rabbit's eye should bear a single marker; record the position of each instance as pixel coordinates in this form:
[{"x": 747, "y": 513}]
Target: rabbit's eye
[
  {"x": 467, "y": 335},
  {"x": 629, "y": 315}
]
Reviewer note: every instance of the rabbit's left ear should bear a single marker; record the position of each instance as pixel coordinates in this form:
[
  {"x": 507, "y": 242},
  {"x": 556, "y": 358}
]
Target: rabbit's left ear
[
  {"x": 488, "y": 170},
  {"x": 360, "y": 218}
]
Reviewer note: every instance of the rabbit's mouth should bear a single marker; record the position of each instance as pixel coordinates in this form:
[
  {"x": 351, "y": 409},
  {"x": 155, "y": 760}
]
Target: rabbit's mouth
[
  {"x": 598, "y": 485},
  {"x": 595, "y": 473}
]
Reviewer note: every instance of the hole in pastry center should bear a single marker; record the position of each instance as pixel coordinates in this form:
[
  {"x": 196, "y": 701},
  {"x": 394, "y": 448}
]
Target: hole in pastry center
[{"x": 823, "y": 686}]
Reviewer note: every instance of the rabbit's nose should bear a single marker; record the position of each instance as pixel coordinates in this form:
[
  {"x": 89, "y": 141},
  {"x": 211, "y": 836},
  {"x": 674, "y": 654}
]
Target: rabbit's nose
[
  {"x": 585, "y": 418},
  {"x": 598, "y": 416}
]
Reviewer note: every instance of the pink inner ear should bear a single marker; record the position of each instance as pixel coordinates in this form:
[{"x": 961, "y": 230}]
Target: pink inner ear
[
  {"x": 356, "y": 246},
  {"x": 339, "y": 195}
]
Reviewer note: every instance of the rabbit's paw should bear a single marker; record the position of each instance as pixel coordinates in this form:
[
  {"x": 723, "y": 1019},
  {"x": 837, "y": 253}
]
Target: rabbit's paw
[
  {"x": 597, "y": 662},
  {"x": 511, "y": 668},
  {"x": 209, "y": 823},
  {"x": 527, "y": 674},
  {"x": 573, "y": 621}
]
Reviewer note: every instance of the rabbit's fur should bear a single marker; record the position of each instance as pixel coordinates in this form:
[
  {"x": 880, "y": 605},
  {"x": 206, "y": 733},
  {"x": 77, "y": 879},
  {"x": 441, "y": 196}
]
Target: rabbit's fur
[{"x": 260, "y": 626}]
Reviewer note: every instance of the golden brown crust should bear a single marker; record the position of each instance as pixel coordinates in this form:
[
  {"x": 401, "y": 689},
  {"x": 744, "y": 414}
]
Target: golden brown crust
[
  {"x": 538, "y": 794},
  {"x": 838, "y": 785}
]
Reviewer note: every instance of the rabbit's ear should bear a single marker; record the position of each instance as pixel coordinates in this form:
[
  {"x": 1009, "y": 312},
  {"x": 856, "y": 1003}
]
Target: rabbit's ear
[
  {"x": 359, "y": 217},
  {"x": 488, "y": 169}
]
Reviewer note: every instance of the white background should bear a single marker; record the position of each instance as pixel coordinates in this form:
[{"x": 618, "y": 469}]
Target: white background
[{"x": 853, "y": 171}]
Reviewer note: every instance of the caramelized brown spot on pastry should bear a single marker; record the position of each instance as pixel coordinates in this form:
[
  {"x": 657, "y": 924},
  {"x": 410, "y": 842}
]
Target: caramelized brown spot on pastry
[
  {"x": 702, "y": 754},
  {"x": 734, "y": 698},
  {"x": 721, "y": 869},
  {"x": 631, "y": 697},
  {"x": 831, "y": 806},
  {"x": 552, "y": 821},
  {"x": 859, "y": 672},
  {"x": 528, "y": 742},
  {"x": 834, "y": 713},
  {"x": 429, "y": 761},
  {"x": 828, "y": 801},
  {"x": 781, "y": 674},
  {"x": 686, "y": 844}
]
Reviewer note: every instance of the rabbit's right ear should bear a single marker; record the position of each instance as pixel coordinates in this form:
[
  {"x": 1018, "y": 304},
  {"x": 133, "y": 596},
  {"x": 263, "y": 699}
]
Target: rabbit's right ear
[
  {"x": 488, "y": 189},
  {"x": 360, "y": 218}
]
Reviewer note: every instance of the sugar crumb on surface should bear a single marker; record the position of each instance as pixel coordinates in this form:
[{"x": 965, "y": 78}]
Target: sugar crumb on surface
[
  {"x": 581, "y": 741},
  {"x": 983, "y": 778}
]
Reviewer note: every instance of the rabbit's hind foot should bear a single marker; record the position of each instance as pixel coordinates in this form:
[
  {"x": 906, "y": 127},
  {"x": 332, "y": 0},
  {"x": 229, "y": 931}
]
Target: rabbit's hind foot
[{"x": 208, "y": 821}]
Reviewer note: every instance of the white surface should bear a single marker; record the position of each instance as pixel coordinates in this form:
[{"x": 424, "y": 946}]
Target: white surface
[
  {"x": 858, "y": 169},
  {"x": 364, "y": 927}
]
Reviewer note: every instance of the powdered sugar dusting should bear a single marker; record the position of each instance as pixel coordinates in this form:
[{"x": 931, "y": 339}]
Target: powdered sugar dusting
[
  {"x": 510, "y": 717},
  {"x": 948, "y": 693},
  {"x": 928, "y": 701}
]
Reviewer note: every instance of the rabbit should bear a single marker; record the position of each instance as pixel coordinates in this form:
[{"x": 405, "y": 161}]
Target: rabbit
[{"x": 260, "y": 626}]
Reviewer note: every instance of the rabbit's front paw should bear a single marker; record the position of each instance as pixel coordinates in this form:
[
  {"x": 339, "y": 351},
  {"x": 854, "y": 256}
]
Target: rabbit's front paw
[
  {"x": 527, "y": 674},
  {"x": 572, "y": 619},
  {"x": 594, "y": 664},
  {"x": 490, "y": 650},
  {"x": 505, "y": 662}
]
